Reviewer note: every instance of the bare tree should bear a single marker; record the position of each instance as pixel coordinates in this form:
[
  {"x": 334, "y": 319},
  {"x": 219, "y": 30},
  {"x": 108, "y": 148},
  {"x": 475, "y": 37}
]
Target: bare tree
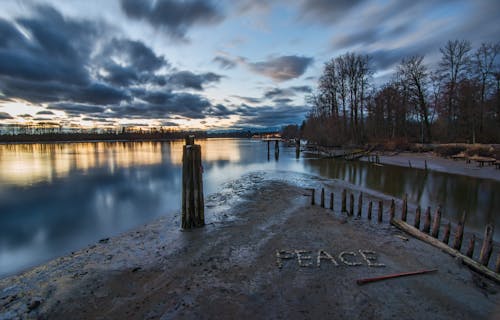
[
  {"x": 415, "y": 77},
  {"x": 454, "y": 66}
]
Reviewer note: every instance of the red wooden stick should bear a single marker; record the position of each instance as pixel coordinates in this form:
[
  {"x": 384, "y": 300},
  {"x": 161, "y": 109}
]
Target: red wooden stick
[{"x": 390, "y": 276}]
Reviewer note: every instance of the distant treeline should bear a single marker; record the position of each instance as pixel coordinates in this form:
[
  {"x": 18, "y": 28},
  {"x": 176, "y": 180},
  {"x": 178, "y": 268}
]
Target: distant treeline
[
  {"x": 458, "y": 101},
  {"x": 119, "y": 136}
]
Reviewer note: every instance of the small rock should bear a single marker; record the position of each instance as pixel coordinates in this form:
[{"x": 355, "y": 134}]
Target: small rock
[{"x": 34, "y": 304}]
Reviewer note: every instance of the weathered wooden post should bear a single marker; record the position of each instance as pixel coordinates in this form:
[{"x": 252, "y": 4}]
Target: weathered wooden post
[
  {"x": 268, "y": 148},
  {"x": 370, "y": 205},
  {"x": 436, "y": 223},
  {"x": 446, "y": 237},
  {"x": 418, "y": 213},
  {"x": 351, "y": 205},
  {"x": 322, "y": 197},
  {"x": 459, "y": 233},
  {"x": 380, "y": 210},
  {"x": 193, "y": 207},
  {"x": 344, "y": 200},
  {"x": 297, "y": 148},
  {"x": 313, "y": 202},
  {"x": 331, "y": 201},
  {"x": 360, "y": 204},
  {"x": 427, "y": 220},
  {"x": 409, "y": 164},
  {"x": 470, "y": 249},
  {"x": 404, "y": 209},
  {"x": 392, "y": 210},
  {"x": 425, "y": 165},
  {"x": 276, "y": 148},
  {"x": 484, "y": 256}
]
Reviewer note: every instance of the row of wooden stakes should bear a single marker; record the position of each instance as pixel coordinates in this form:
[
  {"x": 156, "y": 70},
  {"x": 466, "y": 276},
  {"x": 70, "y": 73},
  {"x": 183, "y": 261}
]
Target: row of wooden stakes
[{"x": 429, "y": 229}]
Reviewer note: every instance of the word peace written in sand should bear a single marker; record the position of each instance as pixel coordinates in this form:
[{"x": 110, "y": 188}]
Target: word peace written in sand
[{"x": 305, "y": 258}]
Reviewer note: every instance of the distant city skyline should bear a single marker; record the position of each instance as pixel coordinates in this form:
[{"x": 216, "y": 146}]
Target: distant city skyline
[{"x": 209, "y": 65}]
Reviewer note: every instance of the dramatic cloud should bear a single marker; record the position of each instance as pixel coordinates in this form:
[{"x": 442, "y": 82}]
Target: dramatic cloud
[
  {"x": 189, "y": 80},
  {"x": 250, "y": 100},
  {"x": 76, "y": 109},
  {"x": 270, "y": 116},
  {"x": 224, "y": 63},
  {"x": 174, "y": 16},
  {"x": 327, "y": 11},
  {"x": 282, "y": 68},
  {"x": 286, "y": 92},
  {"x": 45, "y": 112},
  {"x": 5, "y": 116}
]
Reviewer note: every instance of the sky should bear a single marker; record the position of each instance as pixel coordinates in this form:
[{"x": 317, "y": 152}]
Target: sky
[{"x": 207, "y": 64}]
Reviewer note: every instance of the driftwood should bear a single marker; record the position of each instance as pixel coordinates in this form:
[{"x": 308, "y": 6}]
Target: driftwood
[
  {"x": 438, "y": 244},
  {"x": 391, "y": 276}
]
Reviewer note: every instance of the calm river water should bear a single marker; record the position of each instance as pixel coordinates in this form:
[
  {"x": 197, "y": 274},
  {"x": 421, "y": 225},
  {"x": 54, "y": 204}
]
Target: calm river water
[{"x": 56, "y": 198}]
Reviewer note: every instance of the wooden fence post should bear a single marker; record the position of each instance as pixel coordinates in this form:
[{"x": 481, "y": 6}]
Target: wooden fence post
[
  {"x": 404, "y": 209},
  {"x": 437, "y": 223},
  {"x": 370, "y": 204},
  {"x": 380, "y": 210},
  {"x": 344, "y": 200},
  {"x": 459, "y": 233},
  {"x": 427, "y": 220},
  {"x": 418, "y": 213},
  {"x": 193, "y": 211},
  {"x": 360, "y": 204},
  {"x": 484, "y": 256}
]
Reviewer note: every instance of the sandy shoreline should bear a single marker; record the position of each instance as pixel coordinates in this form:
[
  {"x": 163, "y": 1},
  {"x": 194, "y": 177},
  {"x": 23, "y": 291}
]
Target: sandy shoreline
[
  {"x": 229, "y": 268},
  {"x": 441, "y": 164}
]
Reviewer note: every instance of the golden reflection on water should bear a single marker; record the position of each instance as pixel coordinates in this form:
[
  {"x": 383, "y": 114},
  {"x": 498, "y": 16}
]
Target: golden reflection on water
[{"x": 25, "y": 164}]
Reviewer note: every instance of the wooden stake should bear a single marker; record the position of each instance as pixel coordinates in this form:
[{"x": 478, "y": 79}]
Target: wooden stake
[
  {"x": 404, "y": 209},
  {"x": 391, "y": 276},
  {"x": 370, "y": 204},
  {"x": 392, "y": 211},
  {"x": 438, "y": 244},
  {"x": 459, "y": 233},
  {"x": 313, "y": 202},
  {"x": 351, "y": 205},
  {"x": 360, "y": 204},
  {"x": 446, "y": 237},
  {"x": 409, "y": 164},
  {"x": 418, "y": 212},
  {"x": 193, "y": 214},
  {"x": 344, "y": 201},
  {"x": 322, "y": 197},
  {"x": 427, "y": 220},
  {"x": 425, "y": 165},
  {"x": 437, "y": 223},
  {"x": 380, "y": 210},
  {"x": 331, "y": 201},
  {"x": 484, "y": 256},
  {"x": 472, "y": 244}
]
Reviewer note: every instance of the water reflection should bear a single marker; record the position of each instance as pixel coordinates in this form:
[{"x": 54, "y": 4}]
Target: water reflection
[{"x": 55, "y": 198}]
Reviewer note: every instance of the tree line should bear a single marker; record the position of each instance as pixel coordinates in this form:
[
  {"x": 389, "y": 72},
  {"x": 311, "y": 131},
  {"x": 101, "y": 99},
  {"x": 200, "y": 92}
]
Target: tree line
[{"x": 457, "y": 101}]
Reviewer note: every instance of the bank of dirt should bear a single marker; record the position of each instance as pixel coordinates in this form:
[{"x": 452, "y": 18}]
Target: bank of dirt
[{"x": 229, "y": 269}]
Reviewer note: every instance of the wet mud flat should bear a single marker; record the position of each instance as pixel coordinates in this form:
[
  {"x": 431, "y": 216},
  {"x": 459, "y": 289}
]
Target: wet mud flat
[{"x": 269, "y": 255}]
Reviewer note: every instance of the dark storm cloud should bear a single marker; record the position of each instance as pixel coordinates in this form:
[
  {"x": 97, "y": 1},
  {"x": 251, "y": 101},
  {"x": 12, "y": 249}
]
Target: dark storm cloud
[
  {"x": 327, "y": 11},
  {"x": 45, "y": 112},
  {"x": 76, "y": 109},
  {"x": 190, "y": 80},
  {"x": 224, "y": 63},
  {"x": 286, "y": 92},
  {"x": 250, "y": 100},
  {"x": 270, "y": 116},
  {"x": 175, "y": 17},
  {"x": 5, "y": 116},
  {"x": 281, "y": 68}
]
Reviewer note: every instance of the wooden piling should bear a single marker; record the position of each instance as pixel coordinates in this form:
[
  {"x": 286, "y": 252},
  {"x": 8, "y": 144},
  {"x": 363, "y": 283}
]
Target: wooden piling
[
  {"x": 344, "y": 201},
  {"x": 404, "y": 209},
  {"x": 425, "y": 164},
  {"x": 409, "y": 164},
  {"x": 427, "y": 220},
  {"x": 297, "y": 148},
  {"x": 313, "y": 195},
  {"x": 446, "y": 237},
  {"x": 380, "y": 210},
  {"x": 360, "y": 204},
  {"x": 331, "y": 201},
  {"x": 436, "y": 223},
  {"x": 470, "y": 248},
  {"x": 392, "y": 210},
  {"x": 418, "y": 213},
  {"x": 193, "y": 214},
  {"x": 484, "y": 256},
  {"x": 370, "y": 204},
  {"x": 351, "y": 205},
  {"x": 459, "y": 233},
  {"x": 322, "y": 197}
]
